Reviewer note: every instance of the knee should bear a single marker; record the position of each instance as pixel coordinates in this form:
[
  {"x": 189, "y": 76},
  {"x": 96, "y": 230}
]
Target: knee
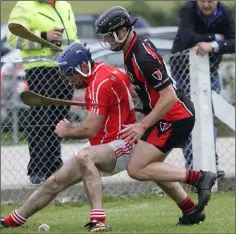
[
  {"x": 136, "y": 173},
  {"x": 83, "y": 159},
  {"x": 51, "y": 185}
]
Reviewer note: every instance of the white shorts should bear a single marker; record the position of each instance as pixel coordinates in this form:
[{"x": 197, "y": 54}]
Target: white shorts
[{"x": 122, "y": 150}]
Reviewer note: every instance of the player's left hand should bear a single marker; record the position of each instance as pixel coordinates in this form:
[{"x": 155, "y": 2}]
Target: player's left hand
[
  {"x": 203, "y": 48},
  {"x": 62, "y": 127},
  {"x": 131, "y": 132}
]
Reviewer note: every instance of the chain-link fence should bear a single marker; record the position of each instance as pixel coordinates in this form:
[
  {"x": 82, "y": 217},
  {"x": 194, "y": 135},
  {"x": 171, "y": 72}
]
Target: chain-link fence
[
  {"x": 222, "y": 77},
  {"x": 29, "y": 143}
]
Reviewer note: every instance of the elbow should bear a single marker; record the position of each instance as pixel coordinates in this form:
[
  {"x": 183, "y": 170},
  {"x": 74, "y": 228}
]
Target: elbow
[
  {"x": 174, "y": 100},
  {"x": 134, "y": 95},
  {"x": 91, "y": 132},
  {"x": 170, "y": 96},
  {"x": 173, "y": 96},
  {"x": 188, "y": 41},
  {"x": 132, "y": 92}
]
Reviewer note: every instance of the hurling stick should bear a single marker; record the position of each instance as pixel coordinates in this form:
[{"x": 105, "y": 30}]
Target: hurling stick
[
  {"x": 30, "y": 98},
  {"x": 20, "y": 31}
]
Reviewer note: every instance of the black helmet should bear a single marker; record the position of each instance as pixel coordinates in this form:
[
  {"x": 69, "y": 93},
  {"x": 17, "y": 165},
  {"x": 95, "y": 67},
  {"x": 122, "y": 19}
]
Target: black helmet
[
  {"x": 112, "y": 20},
  {"x": 109, "y": 23}
]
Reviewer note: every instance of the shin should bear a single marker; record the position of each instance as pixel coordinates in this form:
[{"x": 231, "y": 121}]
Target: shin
[
  {"x": 102, "y": 157},
  {"x": 91, "y": 178},
  {"x": 174, "y": 190},
  {"x": 66, "y": 176}
]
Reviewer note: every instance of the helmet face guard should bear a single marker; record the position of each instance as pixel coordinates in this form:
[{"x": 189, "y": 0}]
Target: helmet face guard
[
  {"x": 72, "y": 76},
  {"x": 111, "y": 41},
  {"x": 75, "y": 70},
  {"x": 108, "y": 25}
]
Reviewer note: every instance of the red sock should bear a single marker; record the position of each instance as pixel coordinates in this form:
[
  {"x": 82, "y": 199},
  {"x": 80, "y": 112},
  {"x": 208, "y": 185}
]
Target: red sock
[
  {"x": 187, "y": 205},
  {"x": 98, "y": 214},
  {"x": 14, "y": 219},
  {"x": 191, "y": 177}
]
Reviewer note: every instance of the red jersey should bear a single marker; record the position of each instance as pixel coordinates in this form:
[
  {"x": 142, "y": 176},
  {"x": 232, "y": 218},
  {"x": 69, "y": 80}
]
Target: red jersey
[{"x": 107, "y": 94}]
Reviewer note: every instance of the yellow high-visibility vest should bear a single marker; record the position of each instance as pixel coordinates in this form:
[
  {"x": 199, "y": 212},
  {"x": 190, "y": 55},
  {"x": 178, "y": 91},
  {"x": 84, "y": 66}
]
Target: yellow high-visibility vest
[{"x": 40, "y": 16}]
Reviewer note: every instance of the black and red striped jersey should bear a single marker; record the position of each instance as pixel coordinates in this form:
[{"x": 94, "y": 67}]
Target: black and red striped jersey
[{"x": 149, "y": 75}]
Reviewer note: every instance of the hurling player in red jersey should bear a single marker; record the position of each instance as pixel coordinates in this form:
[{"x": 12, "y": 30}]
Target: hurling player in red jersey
[
  {"x": 109, "y": 104},
  {"x": 169, "y": 116}
]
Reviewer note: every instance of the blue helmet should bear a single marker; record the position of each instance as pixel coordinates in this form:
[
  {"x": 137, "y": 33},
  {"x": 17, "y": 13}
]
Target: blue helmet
[{"x": 72, "y": 57}]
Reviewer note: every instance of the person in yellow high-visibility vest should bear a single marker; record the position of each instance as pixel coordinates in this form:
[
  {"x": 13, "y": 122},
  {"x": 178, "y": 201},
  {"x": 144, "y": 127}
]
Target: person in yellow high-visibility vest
[{"x": 53, "y": 21}]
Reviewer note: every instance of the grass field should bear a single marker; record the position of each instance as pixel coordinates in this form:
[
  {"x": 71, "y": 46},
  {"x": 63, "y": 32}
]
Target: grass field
[
  {"x": 7, "y": 140},
  {"x": 134, "y": 215},
  {"x": 84, "y": 7}
]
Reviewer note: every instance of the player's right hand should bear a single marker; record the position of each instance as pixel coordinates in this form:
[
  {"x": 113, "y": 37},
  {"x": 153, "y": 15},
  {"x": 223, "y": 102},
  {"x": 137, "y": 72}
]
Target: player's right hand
[
  {"x": 54, "y": 35},
  {"x": 62, "y": 128}
]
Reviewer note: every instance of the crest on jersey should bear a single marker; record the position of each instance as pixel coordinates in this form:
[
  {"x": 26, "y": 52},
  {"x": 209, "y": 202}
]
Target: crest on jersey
[
  {"x": 157, "y": 75},
  {"x": 164, "y": 126},
  {"x": 112, "y": 78}
]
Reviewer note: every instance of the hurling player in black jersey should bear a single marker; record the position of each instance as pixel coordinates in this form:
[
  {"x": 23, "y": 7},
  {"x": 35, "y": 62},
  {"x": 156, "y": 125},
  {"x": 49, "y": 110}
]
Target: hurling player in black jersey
[{"x": 169, "y": 116}]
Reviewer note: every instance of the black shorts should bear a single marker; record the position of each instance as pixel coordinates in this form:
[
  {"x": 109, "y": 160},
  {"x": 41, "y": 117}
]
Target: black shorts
[{"x": 168, "y": 135}]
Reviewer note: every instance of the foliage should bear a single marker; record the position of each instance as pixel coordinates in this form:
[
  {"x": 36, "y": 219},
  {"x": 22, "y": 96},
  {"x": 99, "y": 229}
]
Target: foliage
[
  {"x": 158, "y": 13},
  {"x": 157, "y": 16}
]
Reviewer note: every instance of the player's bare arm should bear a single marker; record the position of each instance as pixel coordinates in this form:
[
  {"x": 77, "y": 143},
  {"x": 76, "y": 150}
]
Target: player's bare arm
[
  {"x": 88, "y": 128},
  {"x": 166, "y": 101},
  {"x": 132, "y": 92}
]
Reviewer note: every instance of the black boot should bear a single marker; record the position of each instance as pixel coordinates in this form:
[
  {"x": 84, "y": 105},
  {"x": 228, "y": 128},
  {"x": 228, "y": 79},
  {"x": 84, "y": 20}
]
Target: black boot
[
  {"x": 204, "y": 186},
  {"x": 194, "y": 217}
]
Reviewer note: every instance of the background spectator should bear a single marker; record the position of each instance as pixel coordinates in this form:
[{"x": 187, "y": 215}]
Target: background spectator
[
  {"x": 209, "y": 27},
  {"x": 53, "y": 21}
]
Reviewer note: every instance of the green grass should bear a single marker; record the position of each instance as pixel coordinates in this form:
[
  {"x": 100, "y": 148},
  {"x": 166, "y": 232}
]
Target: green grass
[
  {"x": 83, "y": 7},
  {"x": 7, "y": 140},
  {"x": 134, "y": 215}
]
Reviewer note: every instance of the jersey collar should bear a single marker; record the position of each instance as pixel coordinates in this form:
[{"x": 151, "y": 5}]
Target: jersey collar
[
  {"x": 95, "y": 69},
  {"x": 131, "y": 44}
]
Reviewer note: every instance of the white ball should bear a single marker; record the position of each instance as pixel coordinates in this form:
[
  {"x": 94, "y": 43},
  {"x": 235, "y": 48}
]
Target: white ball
[{"x": 44, "y": 228}]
